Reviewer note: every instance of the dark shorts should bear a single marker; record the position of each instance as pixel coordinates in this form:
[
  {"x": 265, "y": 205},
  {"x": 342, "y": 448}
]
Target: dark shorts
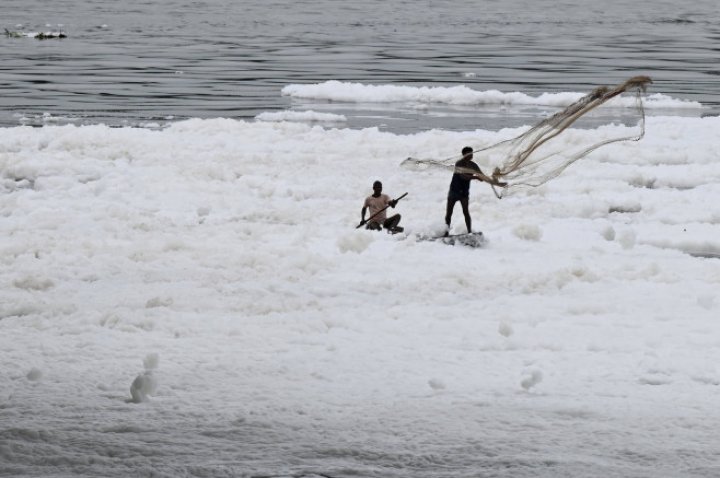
[{"x": 454, "y": 196}]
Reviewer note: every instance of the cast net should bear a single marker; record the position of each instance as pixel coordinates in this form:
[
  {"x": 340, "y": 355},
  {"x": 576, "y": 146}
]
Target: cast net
[{"x": 539, "y": 155}]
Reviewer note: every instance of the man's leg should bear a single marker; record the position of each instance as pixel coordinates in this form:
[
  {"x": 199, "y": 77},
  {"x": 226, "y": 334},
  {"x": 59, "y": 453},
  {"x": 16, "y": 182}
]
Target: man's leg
[
  {"x": 466, "y": 213},
  {"x": 449, "y": 213},
  {"x": 392, "y": 222}
]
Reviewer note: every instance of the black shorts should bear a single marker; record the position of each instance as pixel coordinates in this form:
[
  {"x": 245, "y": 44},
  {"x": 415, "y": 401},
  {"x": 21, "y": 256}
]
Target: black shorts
[{"x": 454, "y": 196}]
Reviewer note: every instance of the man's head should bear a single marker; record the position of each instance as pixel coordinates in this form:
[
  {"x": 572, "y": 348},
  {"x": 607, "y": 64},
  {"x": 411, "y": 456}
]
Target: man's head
[
  {"x": 377, "y": 187},
  {"x": 467, "y": 152}
]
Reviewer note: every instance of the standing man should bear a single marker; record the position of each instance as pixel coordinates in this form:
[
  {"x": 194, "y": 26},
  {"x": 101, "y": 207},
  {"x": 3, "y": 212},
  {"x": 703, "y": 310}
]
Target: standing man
[
  {"x": 465, "y": 171},
  {"x": 377, "y": 203}
]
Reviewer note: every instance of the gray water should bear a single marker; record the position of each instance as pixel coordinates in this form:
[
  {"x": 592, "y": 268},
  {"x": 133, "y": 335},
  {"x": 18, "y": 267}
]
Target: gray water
[{"x": 136, "y": 61}]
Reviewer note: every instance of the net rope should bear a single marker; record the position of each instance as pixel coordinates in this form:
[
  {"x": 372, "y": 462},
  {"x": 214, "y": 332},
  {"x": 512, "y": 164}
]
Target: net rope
[{"x": 536, "y": 156}]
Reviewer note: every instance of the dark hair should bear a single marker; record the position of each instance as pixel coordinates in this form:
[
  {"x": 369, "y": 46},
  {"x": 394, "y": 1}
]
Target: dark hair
[
  {"x": 377, "y": 183},
  {"x": 466, "y": 150}
]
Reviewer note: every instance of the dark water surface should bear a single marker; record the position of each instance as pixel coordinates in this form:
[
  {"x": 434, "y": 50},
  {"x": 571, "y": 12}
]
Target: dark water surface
[{"x": 139, "y": 61}]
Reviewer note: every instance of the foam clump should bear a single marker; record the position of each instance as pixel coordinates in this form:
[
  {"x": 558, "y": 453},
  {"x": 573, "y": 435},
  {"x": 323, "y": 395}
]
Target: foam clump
[
  {"x": 145, "y": 384},
  {"x": 151, "y": 361},
  {"x": 159, "y": 302},
  {"x": 34, "y": 283},
  {"x": 528, "y": 232},
  {"x": 505, "y": 329},
  {"x": 34, "y": 374},
  {"x": 706, "y": 301},
  {"x": 531, "y": 379},
  {"x": 355, "y": 242},
  {"x": 608, "y": 233},
  {"x": 627, "y": 239}
]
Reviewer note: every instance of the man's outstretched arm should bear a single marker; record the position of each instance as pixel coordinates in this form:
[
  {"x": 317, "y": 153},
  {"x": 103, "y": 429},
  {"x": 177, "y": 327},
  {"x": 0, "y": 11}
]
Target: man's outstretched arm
[{"x": 480, "y": 176}]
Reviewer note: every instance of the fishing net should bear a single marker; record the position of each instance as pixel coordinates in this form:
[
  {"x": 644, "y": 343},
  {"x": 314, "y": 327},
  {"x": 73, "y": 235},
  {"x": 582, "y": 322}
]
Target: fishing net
[{"x": 537, "y": 156}]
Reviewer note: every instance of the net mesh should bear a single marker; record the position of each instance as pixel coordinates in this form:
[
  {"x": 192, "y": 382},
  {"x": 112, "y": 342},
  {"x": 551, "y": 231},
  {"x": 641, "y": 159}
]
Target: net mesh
[{"x": 537, "y": 156}]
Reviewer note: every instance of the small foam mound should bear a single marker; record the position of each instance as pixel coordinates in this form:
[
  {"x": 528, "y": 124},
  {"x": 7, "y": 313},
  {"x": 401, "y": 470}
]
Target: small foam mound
[
  {"x": 706, "y": 301},
  {"x": 356, "y": 241},
  {"x": 159, "y": 302},
  {"x": 531, "y": 379},
  {"x": 33, "y": 283},
  {"x": 627, "y": 239},
  {"x": 34, "y": 374},
  {"x": 151, "y": 361},
  {"x": 528, "y": 232},
  {"x": 145, "y": 384},
  {"x": 505, "y": 329},
  {"x": 608, "y": 233}
]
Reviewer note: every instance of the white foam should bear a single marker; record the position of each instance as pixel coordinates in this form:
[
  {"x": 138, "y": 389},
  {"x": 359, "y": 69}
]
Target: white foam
[
  {"x": 301, "y": 116},
  {"x": 229, "y": 248},
  {"x": 457, "y": 95}
]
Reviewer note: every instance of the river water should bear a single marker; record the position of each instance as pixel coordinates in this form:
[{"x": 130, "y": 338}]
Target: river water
[{"x": 139, "y": 61}]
